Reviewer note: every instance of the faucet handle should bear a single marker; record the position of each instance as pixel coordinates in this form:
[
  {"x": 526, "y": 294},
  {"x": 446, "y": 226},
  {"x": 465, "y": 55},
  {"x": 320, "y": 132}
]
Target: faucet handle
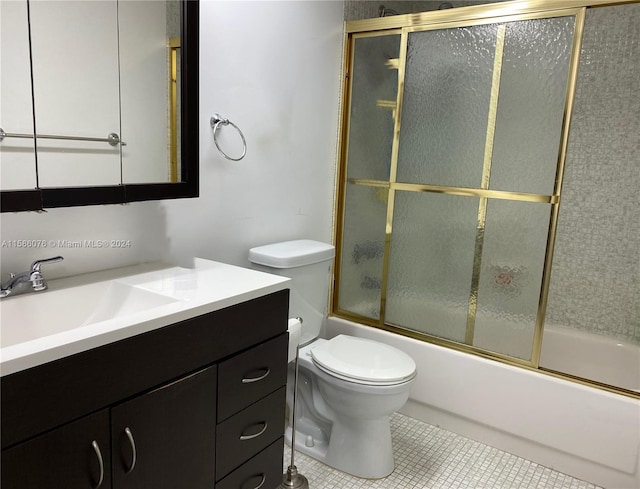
[
  {"x": 37, "y": 280},
  {"x": 35, "y": 266}
]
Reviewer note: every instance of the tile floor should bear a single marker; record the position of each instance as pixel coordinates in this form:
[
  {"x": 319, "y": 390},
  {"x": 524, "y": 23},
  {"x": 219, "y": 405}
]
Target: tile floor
[{"x": 430, "y": 457}]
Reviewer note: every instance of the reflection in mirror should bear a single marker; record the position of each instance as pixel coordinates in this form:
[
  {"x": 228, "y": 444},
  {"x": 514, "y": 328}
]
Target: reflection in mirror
[
  {"x": 128, "y": 68},
  {"x": 175, "y": 163},
  {"x": 74, "y": 48},
  {"x": 149, "y": 41},
  {"x": 103, "y": 67},
  {"x": 17, "y": 155}
]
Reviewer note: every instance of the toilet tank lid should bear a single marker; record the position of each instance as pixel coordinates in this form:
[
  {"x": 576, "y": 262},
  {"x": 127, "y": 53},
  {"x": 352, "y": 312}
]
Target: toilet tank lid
[{"x": 291, "y": 254}]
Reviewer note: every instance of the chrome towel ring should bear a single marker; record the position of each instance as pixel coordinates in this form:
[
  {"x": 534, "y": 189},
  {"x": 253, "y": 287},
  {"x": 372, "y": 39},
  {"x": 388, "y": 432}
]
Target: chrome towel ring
[{"x": 216, "y": 121}]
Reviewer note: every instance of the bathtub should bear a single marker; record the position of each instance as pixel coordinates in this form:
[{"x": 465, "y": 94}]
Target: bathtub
[
  {"x": 586, "y": 432},
  {"x": 591, "y": 356}
]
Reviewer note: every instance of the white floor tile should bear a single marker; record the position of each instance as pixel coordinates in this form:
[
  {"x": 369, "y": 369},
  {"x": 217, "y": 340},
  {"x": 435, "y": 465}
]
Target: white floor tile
[{"x": 428, "y": 457}]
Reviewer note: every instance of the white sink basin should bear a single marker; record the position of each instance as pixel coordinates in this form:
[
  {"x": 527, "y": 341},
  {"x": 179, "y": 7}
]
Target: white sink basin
[
  {"x": 36, "y": 315},
  {"x": 88, "y": 311}
]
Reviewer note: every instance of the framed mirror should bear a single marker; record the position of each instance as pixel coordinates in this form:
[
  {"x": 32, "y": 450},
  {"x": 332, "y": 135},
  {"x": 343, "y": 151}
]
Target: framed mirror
[{"x": 109, "y": 110}]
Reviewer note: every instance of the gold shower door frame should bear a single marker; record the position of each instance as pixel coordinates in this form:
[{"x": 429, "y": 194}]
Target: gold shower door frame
[
  {"x": 454, "y": 18},
  {"x": 173, "y": 47}
]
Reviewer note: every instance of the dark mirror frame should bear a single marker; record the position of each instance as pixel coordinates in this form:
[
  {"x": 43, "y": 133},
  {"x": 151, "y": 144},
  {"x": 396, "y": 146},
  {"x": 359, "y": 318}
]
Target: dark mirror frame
[{"x": 46, "y": 198}]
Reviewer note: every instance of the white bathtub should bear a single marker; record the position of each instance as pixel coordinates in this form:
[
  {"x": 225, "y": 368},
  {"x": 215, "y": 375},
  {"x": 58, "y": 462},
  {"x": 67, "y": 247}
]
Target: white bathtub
[
  {"x": 591, "y": 356},
  {"x": 579, "y": 430}
]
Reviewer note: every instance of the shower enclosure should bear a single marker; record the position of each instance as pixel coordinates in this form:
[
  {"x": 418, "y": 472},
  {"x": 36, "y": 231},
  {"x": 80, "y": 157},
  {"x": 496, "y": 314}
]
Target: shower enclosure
[{"x": 455, "y": 138}]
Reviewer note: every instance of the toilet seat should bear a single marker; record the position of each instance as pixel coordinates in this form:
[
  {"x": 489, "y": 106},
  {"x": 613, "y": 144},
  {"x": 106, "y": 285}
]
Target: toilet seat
[{"x": 363, "y": 361}]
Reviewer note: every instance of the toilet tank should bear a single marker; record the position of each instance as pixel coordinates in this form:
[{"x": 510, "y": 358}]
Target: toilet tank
[{"x": 308, "y": 264}]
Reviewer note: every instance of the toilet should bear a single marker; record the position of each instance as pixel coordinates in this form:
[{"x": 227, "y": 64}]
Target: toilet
[{"x": 347, "y": 386}]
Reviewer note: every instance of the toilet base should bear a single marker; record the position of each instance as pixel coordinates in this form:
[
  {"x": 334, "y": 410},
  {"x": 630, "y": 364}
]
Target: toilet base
[
  {"x": 360, "y": 447},
  {"x": 318, "y": 448}
]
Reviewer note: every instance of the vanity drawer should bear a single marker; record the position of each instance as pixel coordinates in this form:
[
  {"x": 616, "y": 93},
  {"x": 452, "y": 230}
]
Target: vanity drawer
[
  {"x": 252, "y": 375},
  {"x": 264, "y": 470},
  {"x": 249, "y": 432}
]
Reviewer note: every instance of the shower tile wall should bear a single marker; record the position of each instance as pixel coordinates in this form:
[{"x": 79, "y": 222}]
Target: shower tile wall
[
  {"x": 595, "y": 283},
  {"x": 595, "y": 280}
]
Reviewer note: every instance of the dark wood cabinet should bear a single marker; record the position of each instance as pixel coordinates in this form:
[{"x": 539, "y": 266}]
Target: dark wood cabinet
[
  {"x": 75, "y": 456},
  {"x": 262, "y": 470},
  {"x": 251, "y": 403},
  {"x": 160, "y": 439},
  {"x": 250, "y": 431},
  {"x": 198, "y": 404},
  {"x": 252, "y": 375}
]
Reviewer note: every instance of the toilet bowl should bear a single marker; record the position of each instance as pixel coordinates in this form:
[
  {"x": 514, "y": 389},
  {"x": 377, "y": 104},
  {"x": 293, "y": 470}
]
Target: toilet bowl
[
  {"x": 347, "y": 386},
  {"x": 343, "y": 407}
]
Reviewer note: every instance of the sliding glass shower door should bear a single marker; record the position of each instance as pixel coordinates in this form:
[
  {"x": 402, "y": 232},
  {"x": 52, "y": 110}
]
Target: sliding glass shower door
[{"x": 451, "y": 174}]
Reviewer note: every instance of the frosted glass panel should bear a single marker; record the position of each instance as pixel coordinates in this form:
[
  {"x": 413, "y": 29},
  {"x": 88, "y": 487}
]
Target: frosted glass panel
[
  {"x": 373, "y": 98},
  {"x": 454, "y": 116},
  {"x": 511, "y": 275},
  {"x": 533, "y": 86},
  {"x": 362, "y": 250},
  {"x": 432, "y": 248},
  {"x": 445, "y": 106}
]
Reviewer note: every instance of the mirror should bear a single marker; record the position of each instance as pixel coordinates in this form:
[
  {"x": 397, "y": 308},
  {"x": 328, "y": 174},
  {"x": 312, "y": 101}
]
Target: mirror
[{"x": 114, "y": 115}]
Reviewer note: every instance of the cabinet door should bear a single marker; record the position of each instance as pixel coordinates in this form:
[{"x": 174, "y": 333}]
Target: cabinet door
[
  {"x": 73, "y": 456},
  {"x": 165, "y": 439}
]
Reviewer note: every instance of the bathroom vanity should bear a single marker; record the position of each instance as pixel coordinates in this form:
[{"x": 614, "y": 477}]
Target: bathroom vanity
[{"x": 192, "y": 398}]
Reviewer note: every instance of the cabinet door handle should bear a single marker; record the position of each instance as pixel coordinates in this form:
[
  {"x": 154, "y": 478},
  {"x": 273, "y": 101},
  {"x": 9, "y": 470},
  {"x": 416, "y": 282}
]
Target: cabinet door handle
[
  {"x": 134, "y": 452},
  {"x": 255, "y": 435},
  {"x": 261, "y": 483},
  {"x": 96, "y": 448},
  {"x": 249, "y": 380}
]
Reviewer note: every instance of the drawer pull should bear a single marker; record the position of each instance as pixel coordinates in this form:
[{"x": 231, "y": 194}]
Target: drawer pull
[
  {"x": 261, "y": 483},
  {"x": 134, "y": 456},
  {"x": 96, "y": 448},
  {"x": 255, "y": 435},
  {"x": 250, "y": 380}
]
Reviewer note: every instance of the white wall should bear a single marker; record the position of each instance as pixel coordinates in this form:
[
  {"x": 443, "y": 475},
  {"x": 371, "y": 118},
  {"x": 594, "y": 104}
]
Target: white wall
[
  {"x": 27, "y": 236},
  {"x": 273, "y": 69}
]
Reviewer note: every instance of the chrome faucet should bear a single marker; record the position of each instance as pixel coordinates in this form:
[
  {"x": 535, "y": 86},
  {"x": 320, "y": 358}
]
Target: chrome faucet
[{"x": 33, "y": 277}]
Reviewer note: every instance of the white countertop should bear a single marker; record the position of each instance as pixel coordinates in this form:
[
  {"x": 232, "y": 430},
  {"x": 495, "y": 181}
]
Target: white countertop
[{"x": 185, "y": 293}]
